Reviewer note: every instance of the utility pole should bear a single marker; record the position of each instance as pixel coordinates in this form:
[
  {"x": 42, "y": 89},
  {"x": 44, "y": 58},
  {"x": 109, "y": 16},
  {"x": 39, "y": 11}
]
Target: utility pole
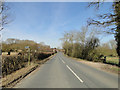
[
  {"x": 29, "y": 56},
  {"x": 27, "y": 47}
]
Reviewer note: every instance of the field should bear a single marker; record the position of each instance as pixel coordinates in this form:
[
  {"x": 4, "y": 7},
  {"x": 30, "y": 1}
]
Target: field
[
  {"x": 11, "y": 54},
  {"x": 114, "y": 60}
]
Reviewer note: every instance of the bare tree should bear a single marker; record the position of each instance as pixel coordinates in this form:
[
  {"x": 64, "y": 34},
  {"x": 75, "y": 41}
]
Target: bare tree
[
  {"x": 80, "y": 43},
  {"x": 112, "y": 44},
  {"x": 68, "y": 38},
  {"x": 110, "y": 21},
  {"x": 4, "y": 15}
]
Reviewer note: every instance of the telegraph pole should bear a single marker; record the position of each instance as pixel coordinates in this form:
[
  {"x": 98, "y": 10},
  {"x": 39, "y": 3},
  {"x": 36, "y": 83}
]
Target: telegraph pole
[
  {"x": 29, "y": 56},
  {"x": 27, "y": 47}
]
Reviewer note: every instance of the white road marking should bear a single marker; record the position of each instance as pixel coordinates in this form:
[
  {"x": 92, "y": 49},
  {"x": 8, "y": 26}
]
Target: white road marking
[
  {"x": 63, "y": 61},
  {"x": 75, "y": 74}
]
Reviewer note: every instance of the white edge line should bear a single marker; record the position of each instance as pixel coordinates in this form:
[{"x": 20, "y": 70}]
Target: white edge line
[{"x": 74, "y": 74}]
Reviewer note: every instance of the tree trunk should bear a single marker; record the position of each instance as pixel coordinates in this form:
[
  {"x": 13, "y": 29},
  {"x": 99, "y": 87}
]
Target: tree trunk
[
  {"x": 119, "y": 61},
  {"x": 118, "y": 46},
  {"x": 117, "y": 36}
]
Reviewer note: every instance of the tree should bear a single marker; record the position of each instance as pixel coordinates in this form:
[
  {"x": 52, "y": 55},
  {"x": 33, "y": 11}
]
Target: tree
[
  {"x": 10, "y": 41},
  {"x": 68, "y": 38},
  {"x": 112, "y": 44},
  {"x": 110, "y": 21},
  {"x": 80, "y": 44},
  {"x": 91, "y": 44},
  {"x": 108, "y": 48},
  {"x": 4, "y": 15}
]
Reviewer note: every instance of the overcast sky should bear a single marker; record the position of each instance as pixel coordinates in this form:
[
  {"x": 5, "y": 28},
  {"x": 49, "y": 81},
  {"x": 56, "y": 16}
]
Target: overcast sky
[{"x": 46, "y": 22}]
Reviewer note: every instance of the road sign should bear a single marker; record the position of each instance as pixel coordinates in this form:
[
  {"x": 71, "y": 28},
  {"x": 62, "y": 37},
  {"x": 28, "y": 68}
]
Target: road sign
[{"x": 26, "y": 46}]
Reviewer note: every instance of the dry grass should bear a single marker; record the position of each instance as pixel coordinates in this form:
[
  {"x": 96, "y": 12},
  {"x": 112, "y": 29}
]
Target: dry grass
[
  {"x": 102, "y": 66},
  {"x": 11, "y": 54},
  {"x": 98, "y": 65},
  {"x": 9, "y": 78}
]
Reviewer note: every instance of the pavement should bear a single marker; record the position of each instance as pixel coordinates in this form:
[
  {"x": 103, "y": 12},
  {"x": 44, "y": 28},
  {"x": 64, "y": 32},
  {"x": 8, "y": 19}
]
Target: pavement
[{"x": 64, "y": 72}]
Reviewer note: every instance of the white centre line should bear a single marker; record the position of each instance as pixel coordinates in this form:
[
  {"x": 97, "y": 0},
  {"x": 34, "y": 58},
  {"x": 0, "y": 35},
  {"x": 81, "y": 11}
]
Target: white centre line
[
  {"x": 63, "y": 61},
  {"x": 74, "y": 74}
]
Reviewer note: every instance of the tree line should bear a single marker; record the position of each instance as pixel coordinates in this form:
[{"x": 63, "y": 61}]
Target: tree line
[
  {"x": 35, "y": 54},
  {"x": 111, "y": 23},
  {"x": 85, "y": 44},
  {"x": 12, "y": 44}
]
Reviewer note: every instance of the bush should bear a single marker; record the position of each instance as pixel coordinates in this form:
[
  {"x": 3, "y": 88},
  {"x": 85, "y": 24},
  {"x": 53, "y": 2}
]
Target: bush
[
  {"x": 42, "y": 56},
  {"x": 11, "y": 63}
]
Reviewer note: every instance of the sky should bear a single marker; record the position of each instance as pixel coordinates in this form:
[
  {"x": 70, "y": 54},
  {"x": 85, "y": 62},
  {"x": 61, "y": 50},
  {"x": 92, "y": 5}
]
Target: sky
[{"x": 47, "y": 21}]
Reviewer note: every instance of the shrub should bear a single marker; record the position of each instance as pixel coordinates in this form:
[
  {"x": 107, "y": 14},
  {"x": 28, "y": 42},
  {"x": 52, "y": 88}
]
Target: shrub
[{"x": 12, "y": 63}]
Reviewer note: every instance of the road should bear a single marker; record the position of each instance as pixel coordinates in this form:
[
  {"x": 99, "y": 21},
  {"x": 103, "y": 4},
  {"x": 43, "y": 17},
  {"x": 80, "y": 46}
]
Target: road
[{"x": 63, "y": 72}]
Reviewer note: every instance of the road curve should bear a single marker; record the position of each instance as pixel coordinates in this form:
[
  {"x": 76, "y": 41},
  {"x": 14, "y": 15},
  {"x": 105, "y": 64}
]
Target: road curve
[{"x": 63, "y": 72}]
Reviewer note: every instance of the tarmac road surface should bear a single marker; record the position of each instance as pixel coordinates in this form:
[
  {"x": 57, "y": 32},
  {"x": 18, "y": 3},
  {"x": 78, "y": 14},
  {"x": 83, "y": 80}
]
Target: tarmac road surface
[{"x": 63, "y": 72}]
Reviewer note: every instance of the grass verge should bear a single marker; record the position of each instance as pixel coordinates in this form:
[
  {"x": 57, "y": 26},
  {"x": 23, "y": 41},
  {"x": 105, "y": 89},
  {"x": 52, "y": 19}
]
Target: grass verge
[{"x": 99, "y": 65}]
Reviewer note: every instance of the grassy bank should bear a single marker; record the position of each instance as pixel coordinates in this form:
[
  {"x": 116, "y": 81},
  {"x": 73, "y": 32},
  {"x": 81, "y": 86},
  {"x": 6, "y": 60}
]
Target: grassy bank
[
  {"x": 114, "y": 60},
  {"x": 101, "y": 66}
]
